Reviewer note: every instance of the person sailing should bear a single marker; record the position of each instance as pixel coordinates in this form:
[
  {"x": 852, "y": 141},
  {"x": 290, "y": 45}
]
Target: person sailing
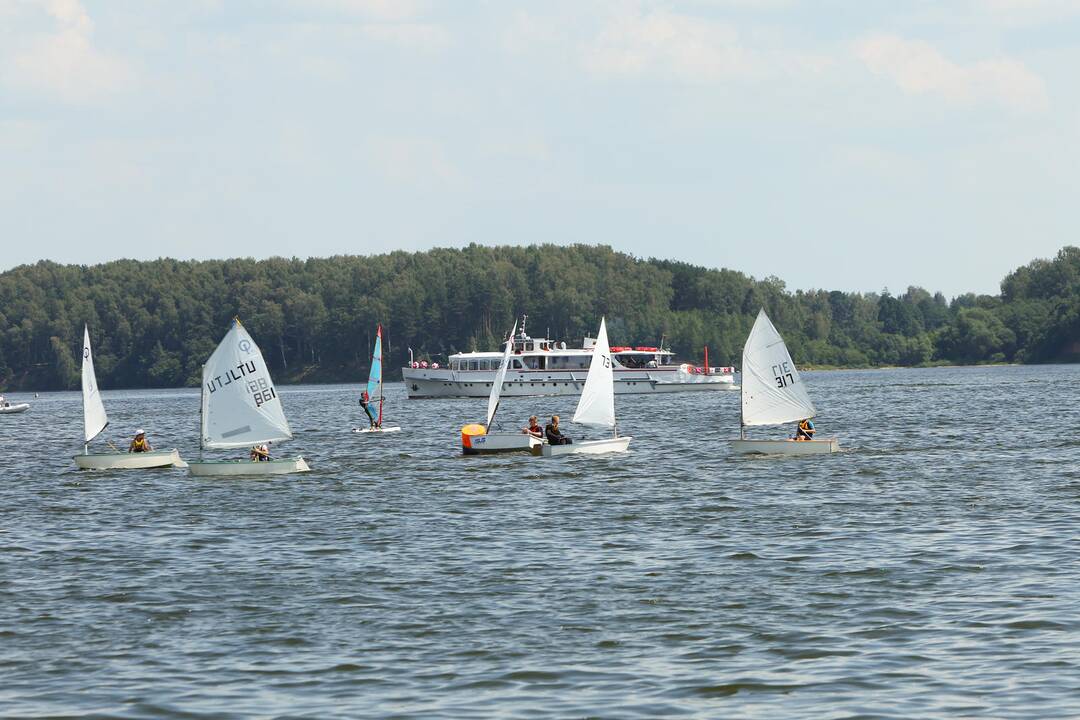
[
  {"x": 260, "y": 453},
  {"x": 365, "y": 399},
  {"x": 554, "y": 435},
  {"x": 139, "y": 443},
  {"x": 805, "y": 430},
  {"x": 534, "y": 429}
]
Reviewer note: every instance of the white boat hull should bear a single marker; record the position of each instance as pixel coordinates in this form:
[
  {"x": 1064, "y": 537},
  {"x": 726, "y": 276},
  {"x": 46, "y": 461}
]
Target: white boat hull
[
  {"x": 366, "y": 430},
  {"x": 786, "y": 447},
  {"x": 495, "y": 443},
  {"x": 129, "y": 461},
  {"x": 247, "y": 468},
  {"x": 14, "y": 409},
  {"x": 443, "y": 383},
  {"x": 588, "y": 447}
]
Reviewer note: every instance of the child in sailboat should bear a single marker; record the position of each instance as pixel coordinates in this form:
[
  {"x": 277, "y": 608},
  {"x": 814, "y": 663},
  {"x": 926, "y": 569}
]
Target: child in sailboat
[
  {"x": 534, "y": 428},
  {"x": 805, "y": 430},
  {"x": 139, "y": 443},
  {"x": 260, "y": 453}
]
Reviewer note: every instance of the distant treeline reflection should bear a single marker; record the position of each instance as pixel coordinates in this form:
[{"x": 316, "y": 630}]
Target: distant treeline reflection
[{"x": 153, "y": 323}]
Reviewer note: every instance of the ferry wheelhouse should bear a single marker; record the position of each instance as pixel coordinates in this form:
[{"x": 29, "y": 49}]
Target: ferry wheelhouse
[{"x": 539, "y": 366}]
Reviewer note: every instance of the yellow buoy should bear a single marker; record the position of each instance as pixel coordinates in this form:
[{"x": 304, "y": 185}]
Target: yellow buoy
[{"x": 468, "y": 433}]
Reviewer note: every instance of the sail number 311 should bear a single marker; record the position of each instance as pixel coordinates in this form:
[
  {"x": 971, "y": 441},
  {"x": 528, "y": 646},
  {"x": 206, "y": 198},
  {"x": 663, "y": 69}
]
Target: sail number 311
[{"x": 783, "y": 374}]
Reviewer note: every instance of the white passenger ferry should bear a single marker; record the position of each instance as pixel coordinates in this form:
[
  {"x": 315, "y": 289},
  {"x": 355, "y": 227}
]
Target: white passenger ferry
[{"x": 539, "y": 366}]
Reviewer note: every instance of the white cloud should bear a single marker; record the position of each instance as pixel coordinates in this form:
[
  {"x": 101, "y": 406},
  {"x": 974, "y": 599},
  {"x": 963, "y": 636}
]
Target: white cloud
[
  {"x": 387, "y": 10},
  {"x": 415, "y": 161},
  {"x": 918, "y": 68},
  {"x": 62, "y": 61},
  {"x": 416, "y": 36},
  {"x": 660, "y": 42}
]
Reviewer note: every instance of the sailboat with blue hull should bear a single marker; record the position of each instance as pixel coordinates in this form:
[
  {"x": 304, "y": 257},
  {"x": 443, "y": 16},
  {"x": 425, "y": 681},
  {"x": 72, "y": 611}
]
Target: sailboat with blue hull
[{"x": 375, "y": 391}]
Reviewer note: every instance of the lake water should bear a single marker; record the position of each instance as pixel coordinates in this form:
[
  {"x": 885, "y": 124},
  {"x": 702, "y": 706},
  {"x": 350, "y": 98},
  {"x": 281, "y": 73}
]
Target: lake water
[{"x": 929, "y": 570}]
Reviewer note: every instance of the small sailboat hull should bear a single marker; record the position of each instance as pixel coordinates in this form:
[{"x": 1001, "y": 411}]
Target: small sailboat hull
[
  {"x": 823, "y": 446},
  {"x": 588, "y": 447},
  {"x": 129, "y": 461},
  {"x": 14, "y": 409},
  {"x": 375, "y": 431},
  {"x": 495, "y": 443},
  {"x": 247, "y": 468}
]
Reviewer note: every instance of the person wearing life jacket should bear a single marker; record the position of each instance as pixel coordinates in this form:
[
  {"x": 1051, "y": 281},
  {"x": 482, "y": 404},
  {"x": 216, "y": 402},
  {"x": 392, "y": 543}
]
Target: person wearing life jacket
[
  {"x": 364, "y": 400},
  {"x": 260, "y": 453},
  {"x": 139, "y": 443},
  {"x": 805, "y": 430},
  {"x": 534, "y": 429}
]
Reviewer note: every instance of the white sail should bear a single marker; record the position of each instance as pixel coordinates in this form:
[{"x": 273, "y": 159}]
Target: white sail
[
  {"x": 772, "y": 392},
  {"x": 597, "y": 404},
  {"x": 94, "y": 417},
  {"x": 240, "y": 406},
  {"x": 500, "y": 376}
]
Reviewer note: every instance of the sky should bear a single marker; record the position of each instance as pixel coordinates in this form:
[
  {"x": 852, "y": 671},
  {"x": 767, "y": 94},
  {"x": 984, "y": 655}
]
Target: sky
[{"x": 855, "y": 145}]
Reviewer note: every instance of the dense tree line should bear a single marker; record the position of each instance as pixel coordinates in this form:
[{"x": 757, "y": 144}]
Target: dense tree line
[{"x": 153, "y": 323}]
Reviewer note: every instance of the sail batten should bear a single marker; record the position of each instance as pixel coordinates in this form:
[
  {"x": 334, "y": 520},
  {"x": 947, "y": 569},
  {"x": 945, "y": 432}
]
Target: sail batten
[
  {"x": 240, "y": 405},
  {"x": 94, "y": 418},
  {"x": 500, "y": 376},
  {"x": 772, "y": 391},
  {"x": 596, "y": 407}
]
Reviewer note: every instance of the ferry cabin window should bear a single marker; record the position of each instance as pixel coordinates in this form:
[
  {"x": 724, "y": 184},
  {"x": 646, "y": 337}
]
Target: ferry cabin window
[
  {"x": 516, "y": 363},
  {"x": 568, "y": 362}
]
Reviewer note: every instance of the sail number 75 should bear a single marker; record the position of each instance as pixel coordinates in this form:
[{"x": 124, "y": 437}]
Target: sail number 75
[{"x": 783, "y": 374}]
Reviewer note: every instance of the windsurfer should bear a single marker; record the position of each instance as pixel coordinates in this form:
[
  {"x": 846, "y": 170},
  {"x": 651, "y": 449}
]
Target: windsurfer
[
  {"x": 364, "y": 400},
  {"x": 554, "y": 435}
]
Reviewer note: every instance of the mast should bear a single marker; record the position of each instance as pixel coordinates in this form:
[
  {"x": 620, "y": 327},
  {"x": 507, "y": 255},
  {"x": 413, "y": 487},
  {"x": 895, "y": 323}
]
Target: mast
[{"x": 202, "y": 404}]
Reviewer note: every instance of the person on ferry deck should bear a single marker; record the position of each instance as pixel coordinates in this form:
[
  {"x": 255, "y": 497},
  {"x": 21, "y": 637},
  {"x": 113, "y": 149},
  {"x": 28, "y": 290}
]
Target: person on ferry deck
[
  {"x": 139, "y": 443},
  {"x": 554, "y": 435},
  {"x": 534, "y": 428}
]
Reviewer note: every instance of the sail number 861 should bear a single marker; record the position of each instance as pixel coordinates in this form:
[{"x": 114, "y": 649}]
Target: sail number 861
[
  {"x": 262, "y": 391},
  {"x": 784, "y": 375}
]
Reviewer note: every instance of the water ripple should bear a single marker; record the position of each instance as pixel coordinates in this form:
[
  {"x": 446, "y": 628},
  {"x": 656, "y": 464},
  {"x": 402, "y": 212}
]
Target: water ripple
[{"x": 927, "y": 571}]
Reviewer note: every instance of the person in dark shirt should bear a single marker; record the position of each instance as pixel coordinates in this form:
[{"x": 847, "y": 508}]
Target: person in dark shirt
[{"x": 554, "y": 435}]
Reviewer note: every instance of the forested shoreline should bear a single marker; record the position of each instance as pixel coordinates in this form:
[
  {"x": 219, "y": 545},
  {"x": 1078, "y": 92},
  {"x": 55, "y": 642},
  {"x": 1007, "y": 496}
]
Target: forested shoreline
[{"x": 153, "y": 323}]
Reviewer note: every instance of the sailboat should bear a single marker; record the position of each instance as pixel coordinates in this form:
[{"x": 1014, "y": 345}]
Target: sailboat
[
  {"x": 478, "y": 439},
  {"x": 596, "y": 407},
  {"x": 95, "y": 421},
  {"x": 774, "y": 394},
  {"x": 375, "y": 387},
  {"x": 241, "y": 408}
]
